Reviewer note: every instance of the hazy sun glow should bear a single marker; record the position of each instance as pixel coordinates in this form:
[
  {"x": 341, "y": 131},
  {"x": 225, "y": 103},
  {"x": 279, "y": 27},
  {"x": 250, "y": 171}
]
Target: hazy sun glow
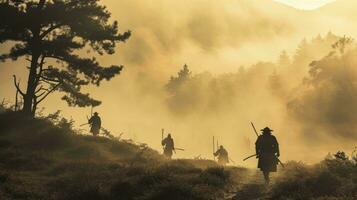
[{"x": 305, "y": 4}]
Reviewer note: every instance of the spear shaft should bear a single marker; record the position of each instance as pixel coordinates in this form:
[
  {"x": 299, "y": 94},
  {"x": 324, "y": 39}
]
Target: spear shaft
[
  {"x": 255, "y": 130},
  {"x": 214, "y": 158}
]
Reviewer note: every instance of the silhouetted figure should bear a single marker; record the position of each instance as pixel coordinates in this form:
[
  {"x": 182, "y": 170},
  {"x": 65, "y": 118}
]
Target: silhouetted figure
[
  {"x": 222, "y": 155},
  {"x": 267, "y": 150},
  {"x": 95, "y": 123},
  {"x": 169, "y": 146}
]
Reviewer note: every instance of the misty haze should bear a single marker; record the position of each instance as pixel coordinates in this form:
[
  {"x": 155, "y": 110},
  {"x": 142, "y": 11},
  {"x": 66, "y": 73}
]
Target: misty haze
[{"x": 162, "y": 99}]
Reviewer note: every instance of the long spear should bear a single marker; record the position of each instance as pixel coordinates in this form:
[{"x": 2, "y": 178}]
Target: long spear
[
  {"x": 214, "y": 158},
  {"x": 83, "y": 124},
  {"x": 256, "y": 133},
  {"x": 255, "y": 130}
]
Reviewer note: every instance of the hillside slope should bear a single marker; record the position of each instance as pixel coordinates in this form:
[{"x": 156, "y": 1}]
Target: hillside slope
[
  {"x": 40, "y": 160},
  {"x": 45, "y": 160}
]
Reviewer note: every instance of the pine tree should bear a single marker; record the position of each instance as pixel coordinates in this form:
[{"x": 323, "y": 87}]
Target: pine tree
[
  {"x": 182, "y": 76},
  {"x": 55, "y": 31}
]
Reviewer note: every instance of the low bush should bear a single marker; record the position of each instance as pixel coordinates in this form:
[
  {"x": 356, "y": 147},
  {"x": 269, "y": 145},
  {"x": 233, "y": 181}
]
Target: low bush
[{"x": 330, "y": 179}]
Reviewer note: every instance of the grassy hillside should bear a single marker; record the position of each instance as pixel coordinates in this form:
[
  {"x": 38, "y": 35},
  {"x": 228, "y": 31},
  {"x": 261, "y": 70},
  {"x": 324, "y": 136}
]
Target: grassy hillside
[
  {"x": 332, "y": 179},
  {"x": 45, "y": 159},
  {"x": 41, "y": 159}
]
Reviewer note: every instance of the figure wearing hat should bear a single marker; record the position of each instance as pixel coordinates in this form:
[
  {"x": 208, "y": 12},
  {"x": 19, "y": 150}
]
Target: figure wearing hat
[
  {"x": 267, "y": 150},
  {"x": 95, "y": 122}
]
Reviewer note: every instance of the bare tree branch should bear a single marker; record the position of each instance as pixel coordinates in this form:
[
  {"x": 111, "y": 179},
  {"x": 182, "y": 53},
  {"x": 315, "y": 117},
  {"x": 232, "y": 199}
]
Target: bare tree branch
[
  {"x": 49, "y": 80},
  {"x": 39, "y": 73},
  {"x": 38, "y": 96},
  {"x": 44, "y": 92},
  {"x": 39, "y": 89},
  {"x": 17, "y": 85},
  {"x": 57, "y": 57},
  {"x": 49, "y": 30},
  {"x": 49, "y": 92},
  {"x": 16, "y": 100}
]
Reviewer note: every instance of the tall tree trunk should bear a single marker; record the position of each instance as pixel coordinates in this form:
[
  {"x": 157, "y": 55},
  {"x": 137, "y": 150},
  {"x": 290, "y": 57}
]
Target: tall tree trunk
[
  {"x": 31, "y": 87},
  {"x": 35, "y": 51}
]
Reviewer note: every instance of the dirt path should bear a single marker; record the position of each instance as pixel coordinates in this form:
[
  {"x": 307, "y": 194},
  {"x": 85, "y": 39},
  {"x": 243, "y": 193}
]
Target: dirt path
[{"x": 250, "y": 186}]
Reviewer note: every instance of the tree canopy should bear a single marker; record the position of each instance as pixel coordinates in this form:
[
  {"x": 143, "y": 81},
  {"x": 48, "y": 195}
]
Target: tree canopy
[{"x": 50, "y": 34}]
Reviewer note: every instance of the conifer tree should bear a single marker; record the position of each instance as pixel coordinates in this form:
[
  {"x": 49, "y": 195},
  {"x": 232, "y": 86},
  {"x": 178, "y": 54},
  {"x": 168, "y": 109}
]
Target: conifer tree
[{"x": 54, "y": 31}]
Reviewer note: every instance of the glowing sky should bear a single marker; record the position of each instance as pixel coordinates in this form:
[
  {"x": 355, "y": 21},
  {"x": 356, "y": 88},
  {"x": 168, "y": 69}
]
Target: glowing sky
[{"x": 306, "y": 4}]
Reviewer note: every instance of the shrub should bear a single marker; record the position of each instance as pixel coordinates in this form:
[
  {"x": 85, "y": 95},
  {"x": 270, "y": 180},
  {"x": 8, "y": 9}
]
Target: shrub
[{"x": 330, "y": 179}]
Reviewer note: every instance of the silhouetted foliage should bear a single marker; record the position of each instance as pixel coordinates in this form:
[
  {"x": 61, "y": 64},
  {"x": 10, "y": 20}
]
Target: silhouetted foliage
[
  {"x": 335, "y": 178},
  {"x": 205, "y": 93},
  {"x": 328, "y": 95},
  {"x": 340, "y": 155},
  {"x": 179, "y": 91},
  {"x": 177, "y": 81},
  {"x": 49, "y": 34}
]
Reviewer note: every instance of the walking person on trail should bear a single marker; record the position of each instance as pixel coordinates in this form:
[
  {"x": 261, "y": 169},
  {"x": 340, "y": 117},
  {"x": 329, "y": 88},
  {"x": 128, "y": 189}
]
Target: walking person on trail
[
  {"x": 267, "y": 152},
  {"x": 169, "y": 146},
  {"x": 95, "y": 124},
  {"x": 222, "y": 155}
]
